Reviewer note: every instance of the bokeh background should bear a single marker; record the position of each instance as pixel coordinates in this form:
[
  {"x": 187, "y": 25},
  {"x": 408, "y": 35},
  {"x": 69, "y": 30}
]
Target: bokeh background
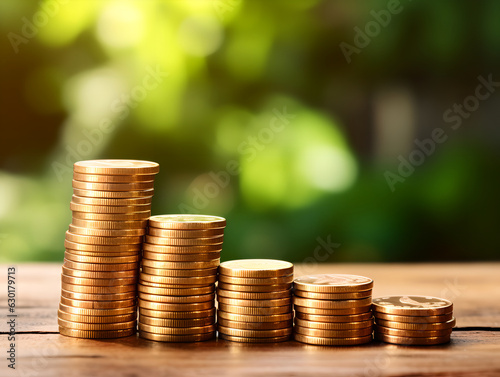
[{"x": 255, "y": 113}]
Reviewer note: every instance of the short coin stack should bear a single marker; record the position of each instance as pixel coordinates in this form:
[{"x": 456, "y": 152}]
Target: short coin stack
[
  {"x": 181, "y": 254},
  {"x": 255, "y": 301},
  {"x": 413, "y": 320},
  {"x": 111, "y": 204},
  {"x": 333, "y": 310}
]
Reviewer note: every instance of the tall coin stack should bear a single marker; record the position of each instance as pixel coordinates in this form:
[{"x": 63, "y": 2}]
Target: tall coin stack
[
  {"x": 333, "y": 310},
  {"x": 255, "y": 301},
  {"x": 413, "y": 320},
  {"x": 181, "y": 254},
  {"x": 111, "y": 204}
]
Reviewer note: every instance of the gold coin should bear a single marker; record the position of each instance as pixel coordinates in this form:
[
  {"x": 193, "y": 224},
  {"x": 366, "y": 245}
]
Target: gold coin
[
  {"x": 98, "y": 282},
  {"x": 254, "y": 295},
  {"x": 101, "y": 267},
  {"x": 254, "y": 325},
  {"x": 187, "y": 222},
  {"x": 107, "y": 232},
  {"x": 357, "y": 333},
  {"x": 177, "y": 299},
  {"x": 101, "y": 178},
  {"x": 116, "y": 167},
  {"x": 145, "y": 185},
  {"x": 97, "y": 312},
  {"x": 95, "y": 319},
  {"x": 333, "y": 312},
  {"x": 256, "y": 268},
  {"x": 414, "y": 319},
  {"x": 334, "y": 318},
  {"x": 96, "y": 297},
  {"x": 179, "y": 273},
  {"x": 143, "y": 215},
  {"x": 177, "y": 291},
  {"x": 250, "y": 310},
  {"x": 254, "y": 318},
  {"x": 412, "y": 333},
  {"x": 240, "y": 339},
  {"x": 105, "y": 248},
  {"x": 417, "y": 326},
  {"x": 333, "y": 296},
  {"x": 110, "y": 225},
  {"x": 113, "y": 194},
  {"x": 412, "y": 305},
  {"x": 97, "y": 290},
  {"x": 205, "y": 257},
  {"x": 97, "y": 304},
  {"x": 332, "y": 341},
  {"x": 177, "y": 338},
  {"x": 195, "y": 281},
  {"x": 196, "y": 306},
  {"x": 333, "y": 283},
  {"x": 163, "y": 249},
  {"x": 99, "y": 275},
  {"x": 254, "y": 288},
  {"x": 177, "y": 315},
  {"x": 412, "y": 341},
  {"x": 189, "y": 233},
  {"x": 256, "y": 281},
  {"x": 180, "y": 265},
  {"x": 170, "y": 241},
  {"x": 334, "y": 325},
  {"x": 254, "y": 333},
  {"x": 97, "y": 326},
  {"x": 96, "y": 334},
  {"x": 84, "y": 259},
  {"x": 171, "y": 286},
  {"x": 176, "y": 330},
  {"x": 144, "y": 201},
  {"x": 108, "y": 209},
  {"x": 106, "y": 254},
  {"x": 166, "y": 322},
  {"x": 328, "y": 304},
  {"x": 255, "y": 303}
]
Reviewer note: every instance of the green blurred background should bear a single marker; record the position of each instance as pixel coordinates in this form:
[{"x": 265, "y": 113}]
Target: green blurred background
[{"x": 205, "y": 87}]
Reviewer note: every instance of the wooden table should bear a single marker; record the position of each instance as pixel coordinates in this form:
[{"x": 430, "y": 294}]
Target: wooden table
[{"x": 473, "y": 351}]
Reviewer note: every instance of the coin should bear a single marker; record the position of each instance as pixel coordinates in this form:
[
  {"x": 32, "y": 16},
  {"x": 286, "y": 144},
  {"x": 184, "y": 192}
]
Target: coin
[
  {"x": 98, "y": 290},
  {"x": 412, "y": 341},
  {"x": 171, "y": 286},
  {"x": 95, "y": 319},
  {"x": 196, "y": 306},
  {"x": 99, "y": 275},
  {"x": 249, "y": 310},
  {"x": 195, "y": 281},
  {"x": 255, "y": 303},
  {"x": 116, "y": 167},
  {"x": 144, "y": 201},
  {"x": 105, "y": 248},
  {"x": 417, "y": 326},
  {"x": 97, "y": 312},
  {"x": 176, "y": 330},
  {"x": 170, "y": 241},
  {"x": 97, "y": 304},
  {"x": 333, "y": 283},
  {"x": 177, "y": 338},
  {"x": 177, "y": 291},
  {"x": 83, "y": 259},
  {"x": 177, "y": 315},
  {"x": 177, "y": 299},
  {"x": 334, "y": 325},
  {"x": 256, "y": 268},
  {"x": 332, "y": 312},
  {"x": 411, "y": 333},
  {"x": 108, "y": 209},
  {"x": 179, "y": 273},
  {"x": 98, "y": 282},
  {"x": 113, "y": 194},
  {"x": 181, "y": 265},
  {"x": 412, "y": 305},
  {"x": 254, "y": 333},
  {"x": 254, "y": 295},
  {"x": 138, "y": 232},
  {"x": 254, "y": 288},
  {"x": 96, "y": 334},
  {"x": 146, "y": 185},
  {"x": 205, "y": 257},
  {"x": 414, "y": 319},
  {"x": 110, "y": 225},
  {"x": 163, "y": 249},
  {"x": 333, "y": 296},
  {"x": 329, "y": 304},
  {"x": 97, "y": 297},
  {"x": 255, "y": 281},
  {"x": 97, "y": 326},
  {"x": 166, "y": 322},
  {"x": 143, "y": 215},
  {"x": 254, "y": 318},
  {"x": 84, "y": 253},
  {"x": 356, "y": 333},
  {"x": 101, "y": 267},
  {"x": 189, "y": 233},
  {"x": 334, "y": 318},
  {"x": 254, "y": 340},
  {"x": 187, "y": 222},
  {"x": 101, "y": 178},
  {"x": 254, "y": 325},
  {"x": 332, "y": 341}
]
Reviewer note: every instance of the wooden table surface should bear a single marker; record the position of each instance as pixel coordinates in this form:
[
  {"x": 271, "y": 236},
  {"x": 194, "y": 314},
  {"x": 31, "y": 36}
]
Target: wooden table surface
[{"x": 473, "y": 351}]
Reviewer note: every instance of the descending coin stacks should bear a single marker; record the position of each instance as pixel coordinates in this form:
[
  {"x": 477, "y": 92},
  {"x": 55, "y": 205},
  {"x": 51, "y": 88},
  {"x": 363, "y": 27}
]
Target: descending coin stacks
[
  {"x": 255, "y": 300},
  {"x": 111, "y": 204},
  {"x": 181, "y": 254},
  {"x": 333, "y": 310},
  {"x": 413, "y": 320}
]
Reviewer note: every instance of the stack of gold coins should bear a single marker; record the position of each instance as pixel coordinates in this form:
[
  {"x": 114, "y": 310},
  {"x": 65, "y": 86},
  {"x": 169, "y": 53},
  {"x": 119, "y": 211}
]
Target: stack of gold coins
[
  {"x": 333, "y": 310},
  {"x": 111, "y": 204},
  {"x": 255, "y": 300},
  {"x": 181, "y": 254},
  {"x": 413, "y": 320}
]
